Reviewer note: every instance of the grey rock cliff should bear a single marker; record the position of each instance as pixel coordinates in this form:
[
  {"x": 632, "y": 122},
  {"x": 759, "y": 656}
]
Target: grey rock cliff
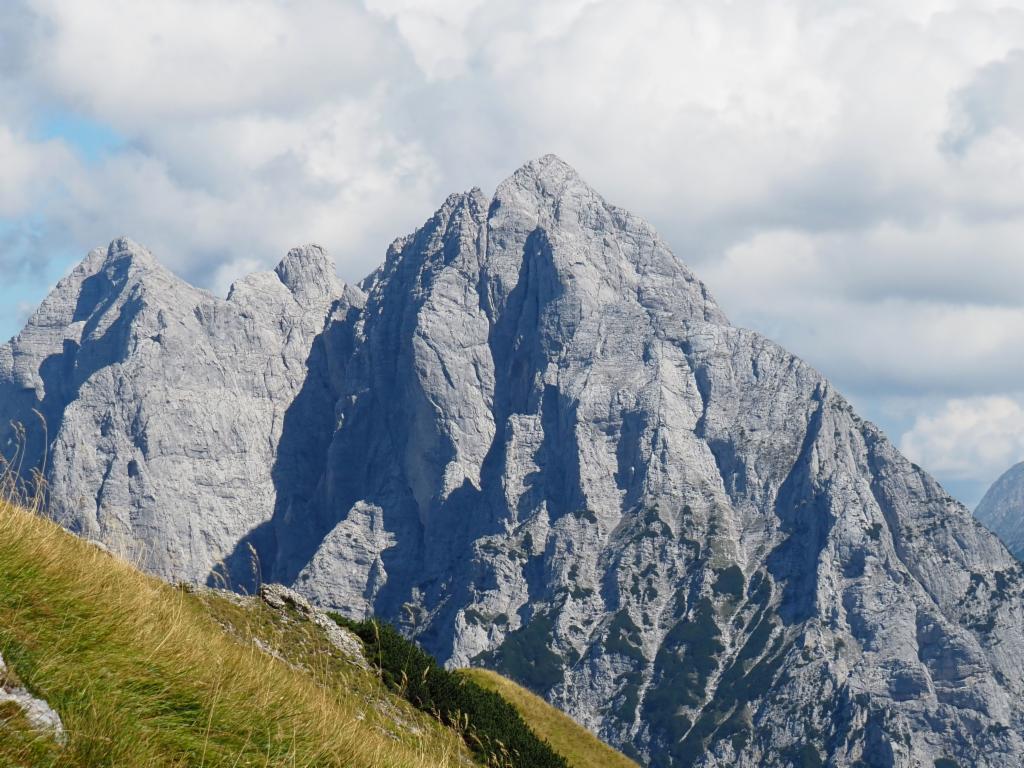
[
  {"x": 1002, "y": 509},
  {"x": 535, "y": 442},
  {"x": 164, "y": 405}
]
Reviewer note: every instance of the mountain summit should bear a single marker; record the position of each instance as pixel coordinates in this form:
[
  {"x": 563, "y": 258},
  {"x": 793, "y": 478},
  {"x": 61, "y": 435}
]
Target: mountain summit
[
  {"x": 1002, "y": 509},
  {"x": 533, "y": 440}
]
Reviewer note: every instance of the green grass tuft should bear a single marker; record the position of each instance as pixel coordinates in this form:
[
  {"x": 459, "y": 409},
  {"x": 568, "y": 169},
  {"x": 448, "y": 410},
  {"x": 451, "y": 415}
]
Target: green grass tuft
[{"x": 144, "y": 674}]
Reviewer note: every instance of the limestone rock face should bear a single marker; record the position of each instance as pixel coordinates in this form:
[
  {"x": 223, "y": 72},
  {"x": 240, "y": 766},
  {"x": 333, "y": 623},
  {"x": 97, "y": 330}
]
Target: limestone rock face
[
  {"x": 164, "y": 405},
  {"x": 1002, "y": 509},
  {"x": 534, "y": 441},
  {"x": 556, "y": 457}
]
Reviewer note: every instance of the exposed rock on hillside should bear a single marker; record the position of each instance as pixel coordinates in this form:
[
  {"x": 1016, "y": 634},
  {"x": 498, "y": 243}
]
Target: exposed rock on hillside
[
  {"x": 37, "y": 713},
  {"x": 281, "y": 598}
]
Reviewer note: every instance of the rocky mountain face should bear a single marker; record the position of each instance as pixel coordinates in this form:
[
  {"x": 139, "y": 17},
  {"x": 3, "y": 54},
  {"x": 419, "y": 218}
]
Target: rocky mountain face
[
  {"x": 156, "y": 407},
  {"x": 1002, "y": 509},
  {"x": 534, "y": 441}
]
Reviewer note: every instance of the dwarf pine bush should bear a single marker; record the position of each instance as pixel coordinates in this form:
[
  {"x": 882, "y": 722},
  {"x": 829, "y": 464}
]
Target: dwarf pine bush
[{"x": 492, "y": 727}]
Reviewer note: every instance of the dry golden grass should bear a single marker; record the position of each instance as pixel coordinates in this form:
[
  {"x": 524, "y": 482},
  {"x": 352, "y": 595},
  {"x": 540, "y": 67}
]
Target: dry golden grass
[
  {"x": 578, "y": 745},
  {"x": 144, "y": 674}
]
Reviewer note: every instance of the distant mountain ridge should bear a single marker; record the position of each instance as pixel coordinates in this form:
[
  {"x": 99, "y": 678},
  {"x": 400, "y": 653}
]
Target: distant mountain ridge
[
  {"x": 1001, "y": 510},
  {"x": 533, "y": 439}
]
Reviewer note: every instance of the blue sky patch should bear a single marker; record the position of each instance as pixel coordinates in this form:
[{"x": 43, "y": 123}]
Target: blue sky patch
[{"x": 90, "y": 139}]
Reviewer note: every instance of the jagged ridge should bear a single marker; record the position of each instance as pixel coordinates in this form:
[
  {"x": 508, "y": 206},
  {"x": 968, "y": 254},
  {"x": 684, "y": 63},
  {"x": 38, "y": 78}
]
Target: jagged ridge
[{"x": 162, "y": 403}]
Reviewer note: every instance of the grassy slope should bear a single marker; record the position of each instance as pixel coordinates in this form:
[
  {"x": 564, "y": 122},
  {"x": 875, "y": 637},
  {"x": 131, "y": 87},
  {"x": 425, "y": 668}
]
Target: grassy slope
[
  {"x": 144, "y": 674},
  {"x": 580, "y": 747}
]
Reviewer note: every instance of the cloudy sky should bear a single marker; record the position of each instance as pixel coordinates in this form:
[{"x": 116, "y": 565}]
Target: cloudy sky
[{"x": 848, "y": 177}]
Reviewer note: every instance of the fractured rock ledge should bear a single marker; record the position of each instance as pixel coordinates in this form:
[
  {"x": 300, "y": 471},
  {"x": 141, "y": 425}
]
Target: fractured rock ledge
[{"x": 38, "y": 714}]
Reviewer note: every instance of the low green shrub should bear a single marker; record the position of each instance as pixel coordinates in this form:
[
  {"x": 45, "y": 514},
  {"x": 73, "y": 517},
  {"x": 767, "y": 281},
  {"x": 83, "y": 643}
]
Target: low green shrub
[{"x": 491, "y": 726}]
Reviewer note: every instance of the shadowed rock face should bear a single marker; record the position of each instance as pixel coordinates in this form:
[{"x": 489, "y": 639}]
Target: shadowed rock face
[
  {"x": 536, "y": 443},
  {"x": 1002, "y": 509}
]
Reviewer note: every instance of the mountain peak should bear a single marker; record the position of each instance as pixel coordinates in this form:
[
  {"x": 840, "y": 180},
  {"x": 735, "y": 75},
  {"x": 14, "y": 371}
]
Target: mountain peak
[
  {"x": 308, "y": 270},
  {"x": 547, "y": 166},
  {"x": 124, "y": 248},
  {"x": 540, "y": 447},
  {"x": 549, "y": 176}
]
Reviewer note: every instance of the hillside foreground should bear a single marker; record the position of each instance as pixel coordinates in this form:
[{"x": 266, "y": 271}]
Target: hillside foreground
[{"x": 146, "y": 674}]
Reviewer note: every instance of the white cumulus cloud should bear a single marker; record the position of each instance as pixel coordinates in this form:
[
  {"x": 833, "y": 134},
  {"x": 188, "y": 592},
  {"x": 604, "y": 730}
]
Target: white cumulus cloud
[{"x": 970, "y": 438}]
